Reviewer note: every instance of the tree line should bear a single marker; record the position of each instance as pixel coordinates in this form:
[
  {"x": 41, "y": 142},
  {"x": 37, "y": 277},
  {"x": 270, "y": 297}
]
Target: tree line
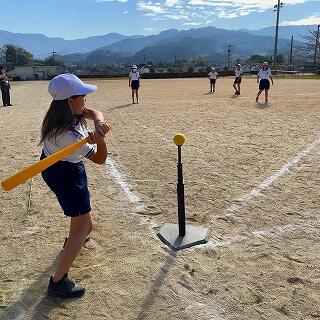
[{"x": 11, "y": 56}]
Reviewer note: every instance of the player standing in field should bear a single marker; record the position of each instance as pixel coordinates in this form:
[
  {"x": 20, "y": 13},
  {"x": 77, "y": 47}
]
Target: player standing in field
[
  {"x": 237, "y": 80},
  {"x": 212, "y": 76},
  {"x": 134, "y": 83},
  {"x": 263, "y": 76}
]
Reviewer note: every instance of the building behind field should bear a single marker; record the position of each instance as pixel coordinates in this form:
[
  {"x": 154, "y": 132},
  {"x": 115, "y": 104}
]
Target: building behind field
[{"x": 35, "y": 72}]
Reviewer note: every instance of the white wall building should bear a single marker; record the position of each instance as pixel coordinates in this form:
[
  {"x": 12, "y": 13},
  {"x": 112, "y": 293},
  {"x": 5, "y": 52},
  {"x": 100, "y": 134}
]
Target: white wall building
[{"x": 34, "y": 72}]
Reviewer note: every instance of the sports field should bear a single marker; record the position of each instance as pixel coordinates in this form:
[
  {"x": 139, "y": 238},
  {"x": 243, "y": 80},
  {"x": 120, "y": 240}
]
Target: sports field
[{"x": 251, "y": 175}]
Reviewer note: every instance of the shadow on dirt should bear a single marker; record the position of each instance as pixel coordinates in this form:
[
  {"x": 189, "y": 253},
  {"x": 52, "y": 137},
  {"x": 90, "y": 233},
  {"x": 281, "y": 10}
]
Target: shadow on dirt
[
  {"x": 155, "y": 288},
  {"x": 33, "y": 302}
]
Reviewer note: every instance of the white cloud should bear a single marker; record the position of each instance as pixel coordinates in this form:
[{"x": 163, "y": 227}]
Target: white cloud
[
  {"x": 149, "y": 6},
  {"x": 171, "y": 3},
  {"x": 192, "y": 24},
  {"x": 227, "y": 15},
  {"x": 193, "y": 11},
  {"x": 153, "y": 30},
  {"x": 314, "y": 19},
  {"x": 125, "y": 12},
  {"x": 176, "y": 16}
]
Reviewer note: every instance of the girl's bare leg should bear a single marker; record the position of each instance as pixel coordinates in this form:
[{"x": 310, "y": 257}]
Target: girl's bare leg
[
  {"x": 234, "y": 86},
  {"x": 80, "y": 227},
  {"x": 257, "y": 98}
]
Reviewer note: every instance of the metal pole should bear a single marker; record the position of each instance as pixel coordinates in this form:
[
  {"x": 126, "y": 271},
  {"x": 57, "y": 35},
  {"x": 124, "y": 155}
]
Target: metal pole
[
  {"x": 291, "y": 46},
  {"x": 229, "y": 55},
  {"x": 277, "y": 33},
  {"x": 316, "y": 50},
  {"x": 180, "y": 193},
  {"x": 182, "y": 236}
]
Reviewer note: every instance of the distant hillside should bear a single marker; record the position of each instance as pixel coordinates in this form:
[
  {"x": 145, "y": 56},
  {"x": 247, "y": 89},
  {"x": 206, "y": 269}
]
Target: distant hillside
[
  {"x": 113, "y": 47},
  {"x": 134, "y": 45},
  {"x": 40, "y": 45},
  {"x": 210, "y": 42},
  {"x": 97, "y": 57},
  {"x": 285, "y": 31},
  {"x": 215, "y": 47}
]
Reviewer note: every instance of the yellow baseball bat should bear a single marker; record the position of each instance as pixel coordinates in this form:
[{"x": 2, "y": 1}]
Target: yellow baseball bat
[{"x": 39, "y": 166}]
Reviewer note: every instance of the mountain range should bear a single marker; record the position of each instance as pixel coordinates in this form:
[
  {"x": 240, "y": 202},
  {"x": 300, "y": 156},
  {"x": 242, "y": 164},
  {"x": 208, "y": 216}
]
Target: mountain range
[
  {"x": 167, "y": 45},
  {"x": 285, "y": 32},
  {"x": 41, "y": 46}
]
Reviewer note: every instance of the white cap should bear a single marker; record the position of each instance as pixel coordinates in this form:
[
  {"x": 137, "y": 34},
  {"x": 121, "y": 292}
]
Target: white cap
[
  {"x": 134, "y": 67},
  {"x": 67, "y": 85},
  {"x": 213, "y": 68},
  {"x": 265, "y": 63}
]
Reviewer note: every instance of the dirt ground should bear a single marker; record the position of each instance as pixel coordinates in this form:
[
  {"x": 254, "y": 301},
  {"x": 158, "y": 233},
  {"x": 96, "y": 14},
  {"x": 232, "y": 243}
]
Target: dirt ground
[{"x": 251, "y": 175}]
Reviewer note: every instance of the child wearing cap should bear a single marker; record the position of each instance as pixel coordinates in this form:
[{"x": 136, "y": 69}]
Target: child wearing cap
[
  {"x": 264, "y": 75},
  {"x": 134, "y": 82},
  {"x": 237, "y": 80},
  {"x": 212, "y": 76},
  {"x": 64, "y": 124}
]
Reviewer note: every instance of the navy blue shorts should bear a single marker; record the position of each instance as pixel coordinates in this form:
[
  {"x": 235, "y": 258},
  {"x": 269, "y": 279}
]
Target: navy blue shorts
[
  {"x": 135, "y": 84},
  {"x": 264, "y": 84},
  {"x": 69, "y": 183},
  {"x": 237, "y": 80},
  {"x": 212, "y": 81}
]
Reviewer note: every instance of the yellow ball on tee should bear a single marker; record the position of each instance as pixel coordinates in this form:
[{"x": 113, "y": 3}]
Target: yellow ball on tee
[{"x": 179, "y": 139}]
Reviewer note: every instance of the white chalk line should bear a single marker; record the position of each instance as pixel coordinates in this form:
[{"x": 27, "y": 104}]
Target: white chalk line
[
  {"x": 257, "y": 191},
  {"x": 263, "y": 234},
  {"x": 132, "y": 195}
]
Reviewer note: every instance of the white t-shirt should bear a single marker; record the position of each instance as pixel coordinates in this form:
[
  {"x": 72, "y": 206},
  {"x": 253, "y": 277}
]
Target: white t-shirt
[
  {"x": 213, "y": 75},
  {"x": 52, "y": 145},
  {"x": 134, "y": 75},
  {"x": 238, "y": 73},
  {"x": 264, "y": 74}
]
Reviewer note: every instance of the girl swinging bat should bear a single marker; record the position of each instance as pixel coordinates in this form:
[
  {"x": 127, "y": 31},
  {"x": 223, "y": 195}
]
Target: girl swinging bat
[{"x": 64, "y": 124}]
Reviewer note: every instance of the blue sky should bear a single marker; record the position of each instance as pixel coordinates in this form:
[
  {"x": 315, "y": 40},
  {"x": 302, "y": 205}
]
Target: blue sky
[{"x": 72, "y": 19}]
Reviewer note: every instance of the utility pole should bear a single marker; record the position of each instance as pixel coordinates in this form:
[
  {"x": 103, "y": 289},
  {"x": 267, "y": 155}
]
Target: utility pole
[
  {"x": 175, "y": 59},
  {"x": 291, "y": 46},
  {"x": 316, "y": 50},
  {"x": 53, "y": 53},
  {"x": 229, "y": 55},
  {"x": 277, "y": 8}
]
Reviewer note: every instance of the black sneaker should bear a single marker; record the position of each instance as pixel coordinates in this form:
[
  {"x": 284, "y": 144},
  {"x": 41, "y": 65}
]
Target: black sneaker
[{"x": 65, "y": 288}]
